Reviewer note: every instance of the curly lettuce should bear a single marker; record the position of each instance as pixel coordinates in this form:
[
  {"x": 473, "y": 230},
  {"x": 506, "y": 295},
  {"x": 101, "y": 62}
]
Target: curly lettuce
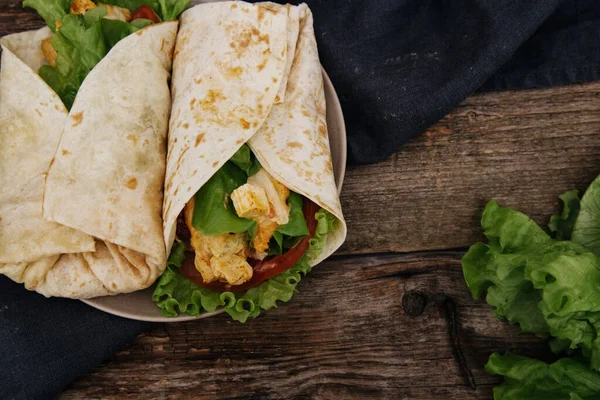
[
  {"x": 175, "y": 294},
  {"x": 547, "y": 287},
  {"x": 562, "y": 225},
  {"x": 529, "y": 379}
]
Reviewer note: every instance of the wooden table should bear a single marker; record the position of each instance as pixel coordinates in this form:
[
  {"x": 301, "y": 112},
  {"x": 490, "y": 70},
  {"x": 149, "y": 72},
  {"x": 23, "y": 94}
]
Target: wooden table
[{"x": 389, "y": 316}]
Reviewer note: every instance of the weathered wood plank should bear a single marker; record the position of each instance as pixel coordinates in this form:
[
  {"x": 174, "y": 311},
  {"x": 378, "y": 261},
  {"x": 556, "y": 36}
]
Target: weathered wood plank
[
  {"x": 521, "y": 148},
  {"x": 350, "y": 332}
]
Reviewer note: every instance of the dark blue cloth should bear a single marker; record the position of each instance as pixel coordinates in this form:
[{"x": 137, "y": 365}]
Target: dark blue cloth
[
  {"x": 46, "y": 343},
  {"x": 398, "y": 66}
]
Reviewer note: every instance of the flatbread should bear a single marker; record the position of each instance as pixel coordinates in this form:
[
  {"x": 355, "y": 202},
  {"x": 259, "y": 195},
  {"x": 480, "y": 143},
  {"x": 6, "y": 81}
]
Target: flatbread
[
  {"x": 249, "y": 73},
  {"x": 95, "y": 227}
]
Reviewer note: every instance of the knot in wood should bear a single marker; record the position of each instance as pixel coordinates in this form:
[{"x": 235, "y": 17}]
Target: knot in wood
[{"x": 413, "y": 303}]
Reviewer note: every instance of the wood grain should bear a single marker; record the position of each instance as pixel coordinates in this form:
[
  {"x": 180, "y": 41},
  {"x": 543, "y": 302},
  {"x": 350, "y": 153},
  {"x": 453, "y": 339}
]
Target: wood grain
[
  {"x": 345, "y": 335},
  {"x": 371, "y": 322},
  {"x": 521, "y": 148}
]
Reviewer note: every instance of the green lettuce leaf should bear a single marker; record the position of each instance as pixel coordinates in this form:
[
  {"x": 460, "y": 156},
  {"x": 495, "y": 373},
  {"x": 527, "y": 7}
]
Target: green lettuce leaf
[
  {"x": 547, "y": 287},
  {"x": 85, "y": 34},
  {"x": 287, "y": 236},
  {"x": 80, "y": 46},
  {"x": 114, "y": 30},
  {"x": 50, "y": 10},
  {"x": 175, "y": 294},
  {"x": 83, "y": 40},
  {"x": 562, "y": 225},
  {"x": 326, "y": 222},
  {"x": 586, "y": 230},
  {"x": 245, "y": 160},
  {"x": 214, "y": 213},
  {"x": 170, "y": 9},
  {"x": 530, "y": 379},
  {"x": 498, "y": 268}
]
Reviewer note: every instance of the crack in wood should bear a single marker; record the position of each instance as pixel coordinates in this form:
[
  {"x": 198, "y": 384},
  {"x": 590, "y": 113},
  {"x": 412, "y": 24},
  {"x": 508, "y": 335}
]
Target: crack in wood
[{"x": 451, "y": 314}]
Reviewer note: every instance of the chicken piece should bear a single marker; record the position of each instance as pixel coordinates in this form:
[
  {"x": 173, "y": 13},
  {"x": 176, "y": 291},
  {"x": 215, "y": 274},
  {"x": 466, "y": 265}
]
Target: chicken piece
[
  {"x": 232, "y": 269},
  {"x": 227, "y": 244},
  {"x": 277, "y": 195},
  {"x": 248, "y": 201},
  {"x": 264, "y": 232},
  {"x": 200, "y": 246},
  {"x": 221, "y": 257},
  {"x": 116, "y": 12},
  {"x": 81, "y": 6},
  {"x": 49, "y": 53}
]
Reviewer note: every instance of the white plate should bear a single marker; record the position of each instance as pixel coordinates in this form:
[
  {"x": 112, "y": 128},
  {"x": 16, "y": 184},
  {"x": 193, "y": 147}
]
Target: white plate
[{"x": 139, "y": 305}]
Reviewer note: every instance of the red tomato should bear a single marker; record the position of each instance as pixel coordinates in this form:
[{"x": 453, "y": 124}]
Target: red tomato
[
  {"x": 265, "y": 269},
  {"x": 145, "y": 12}
]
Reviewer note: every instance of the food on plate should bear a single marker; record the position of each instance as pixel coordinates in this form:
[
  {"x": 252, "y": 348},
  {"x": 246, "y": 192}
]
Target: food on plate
[
  {"x": 250, "y": 198},
  {"x": 84, "y": 108},
  {"x": 549, "y": 287}
]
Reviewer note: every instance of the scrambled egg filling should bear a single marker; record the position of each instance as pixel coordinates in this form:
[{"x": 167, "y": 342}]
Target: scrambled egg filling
[
  {"x": 81, "y": 7},
  {"x": 223, "y": 257},
  {"x": 264, "y": 200}
]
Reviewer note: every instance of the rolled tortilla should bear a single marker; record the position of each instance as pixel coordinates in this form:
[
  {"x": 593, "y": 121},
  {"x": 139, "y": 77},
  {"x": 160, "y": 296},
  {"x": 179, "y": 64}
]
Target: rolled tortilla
[
  {"x": 96, "y": 229},
  {"x": 249, "y": 73}
]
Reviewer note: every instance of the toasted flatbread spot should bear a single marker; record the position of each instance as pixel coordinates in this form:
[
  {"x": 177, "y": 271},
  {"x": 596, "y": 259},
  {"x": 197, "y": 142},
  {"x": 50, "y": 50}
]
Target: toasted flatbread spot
[
  {"x": 295, "y": 145},
  {"x": 77, "y": 118},
  {"x": 199, "y": 139},
  {"x": 65, "y": 152},
  {"x": 133, "y": 138},
  {"x": 322, "y": 129},
  {"x": 131, "y": 183},
  {"x": 245, "y": 124},
  {"x": 234, "y": 72},
  {"x": 262, "y": 65}
]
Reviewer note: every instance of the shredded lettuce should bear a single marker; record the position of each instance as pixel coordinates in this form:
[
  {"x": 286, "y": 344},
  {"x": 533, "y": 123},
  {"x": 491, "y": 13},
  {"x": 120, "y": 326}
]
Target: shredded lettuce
[
  {"x": 175, "y": 294},
  {"x": 529, "y": 379}
]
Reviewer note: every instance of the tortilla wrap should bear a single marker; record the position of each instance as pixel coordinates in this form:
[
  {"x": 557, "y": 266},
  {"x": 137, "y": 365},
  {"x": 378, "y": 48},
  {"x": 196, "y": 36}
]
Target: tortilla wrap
[
  {"x": 249, "y": 73},
  {"x": 94, "y": 228}
]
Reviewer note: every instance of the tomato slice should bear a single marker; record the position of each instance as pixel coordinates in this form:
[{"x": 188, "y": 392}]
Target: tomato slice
[
  {"x": 265, "y": 269},
  {"x": 145, "y": 12}
]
